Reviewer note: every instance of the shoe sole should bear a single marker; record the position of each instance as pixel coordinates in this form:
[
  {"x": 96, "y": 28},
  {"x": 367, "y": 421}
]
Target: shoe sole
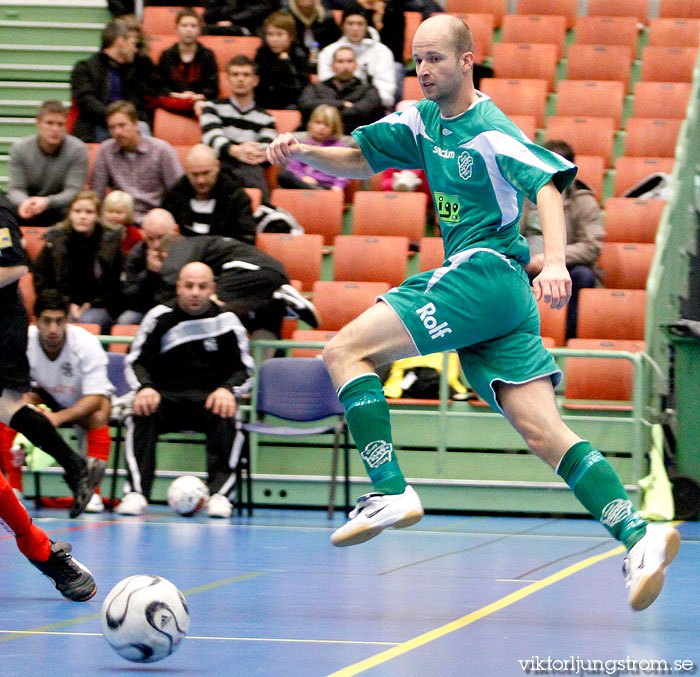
[
  {"x": 650, "y": 586},
  {"x": 363, "y": 532},
  {"x": 83, "y": 599}
]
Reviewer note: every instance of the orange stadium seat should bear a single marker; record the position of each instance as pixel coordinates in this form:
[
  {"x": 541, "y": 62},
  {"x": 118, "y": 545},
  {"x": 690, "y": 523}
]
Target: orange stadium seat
[
  {"x": 608, "y": 30},
  {"x": 591, "y": 170},
  {"x": 390, "y": 213},
  {"x": 626, "y": 264},
  {"x": 632, "y": 219},
  {"x": 122, "y": 330},
  {"x": 607, "y": 379},
  {"x": 629, "y": 171},
  {"x": 689, "y": 9},
  {"x": 526, "y": 123},
  {"x": 518, "y": 97},
  {"x": 587, "y": 135},
  {"x": 157, "y": 44},
  {"x": 661, "y": 99},
  {"x": 591, "y": 98},
  {"x": 612, "y": 314},
  {"x": 340, "y": 302},
  {"x": 33, "y": 240},
  {"x": 636, "y": 8},
  {"x": 497, "y": 8},
  {"x": 93, "y": 148},
  {"x": 411, "y": 22},
  {"x": 535, "y": 29},
  {"x": 318, "y": 211},
  {"x": 651, "y": 137},
  {"x": 301, "y": 255},
  {"x": 92, "y": 327},
  {"x": 482, "y": 27},
  {"x": 381, "y": 258},
  {"x": 524, "y": 60},
  {"x": 225, "y": 47},
  {"x": 160, "y": 20},
  {"x": 674, "y": 32},
  {"x": 567, "y": 8},
  {"x": 286, "y": 120},
  {"x": 411, "y": 88},
  {"x": 431, "y": 253},
  {"x": 177, "y": 130},
  {"x": 668, "y": 64},
  {"x": 255, "y": 195},
  {"x": 552, "y": 323},
  {"x": 310, "y": 335},
  {"x": 599, "y": 62}
]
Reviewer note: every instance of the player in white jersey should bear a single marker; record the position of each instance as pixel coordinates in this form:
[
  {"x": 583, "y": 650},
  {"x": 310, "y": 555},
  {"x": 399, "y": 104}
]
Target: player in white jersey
[
  {"x": 479, "y": 167},
  {"x": 68, "y": 372}
]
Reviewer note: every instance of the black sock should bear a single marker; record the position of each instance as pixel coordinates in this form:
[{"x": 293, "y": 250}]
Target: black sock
[{"x": 39, "y": 431}]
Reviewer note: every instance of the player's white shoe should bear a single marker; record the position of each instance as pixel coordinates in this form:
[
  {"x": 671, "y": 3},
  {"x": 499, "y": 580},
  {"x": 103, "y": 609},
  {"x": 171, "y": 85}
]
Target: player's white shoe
[
  {"x": 95, "y": 504},
  {"x": 132, "y": 504},
  {"x": 219, "y": 506},
  {"x": 375, "y": 512},
  {"x": 645, "y": 564}
]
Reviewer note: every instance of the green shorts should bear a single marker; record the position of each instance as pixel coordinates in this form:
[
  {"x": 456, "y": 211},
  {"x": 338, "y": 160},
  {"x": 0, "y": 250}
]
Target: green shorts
[{"x": 480, "y": 304}]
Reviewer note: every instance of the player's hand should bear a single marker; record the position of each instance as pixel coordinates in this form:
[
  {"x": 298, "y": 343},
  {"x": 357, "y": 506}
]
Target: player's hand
[
  {"x": 282, "y": 148},
  {"x": 146, "y": 402},
  {"x": 221, "y": 402},
  {"x": 53, "y": 416},
  {"x": 553, "y": 285}
]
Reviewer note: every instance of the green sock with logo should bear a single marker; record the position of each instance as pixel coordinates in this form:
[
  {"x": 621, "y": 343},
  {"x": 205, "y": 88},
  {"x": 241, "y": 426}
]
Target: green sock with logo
[
  {"x": 596, "y": 485},
  {"x": 367, "y": 414}
]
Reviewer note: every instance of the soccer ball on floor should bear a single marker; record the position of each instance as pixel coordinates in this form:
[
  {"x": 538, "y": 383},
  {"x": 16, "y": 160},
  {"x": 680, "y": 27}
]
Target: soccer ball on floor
[
  {"x": 144, "y": 618},
  {"x": 187, "y": 494}
]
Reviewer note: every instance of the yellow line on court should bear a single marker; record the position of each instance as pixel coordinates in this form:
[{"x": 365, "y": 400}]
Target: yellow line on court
[
  {"x": 45, "y": 629},
  {"x": 516, "y": 596},
  {"x": 229, "y": 639}
]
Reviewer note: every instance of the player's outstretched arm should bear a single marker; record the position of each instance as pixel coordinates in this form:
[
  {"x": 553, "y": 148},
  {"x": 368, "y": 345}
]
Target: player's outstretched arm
[
  {"x": 333, "y": 160},
  {"x": 553, "y": 283}
]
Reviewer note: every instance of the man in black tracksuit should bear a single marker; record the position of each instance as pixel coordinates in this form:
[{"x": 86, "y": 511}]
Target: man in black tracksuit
[{"x": 188, "y": 363}]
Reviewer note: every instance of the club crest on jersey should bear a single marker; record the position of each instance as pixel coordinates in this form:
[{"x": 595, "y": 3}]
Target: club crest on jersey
[
  {"x": 465, "y": 163},
  {"x": 443, "y": 152},
  {"x": 377, "y": 453}
]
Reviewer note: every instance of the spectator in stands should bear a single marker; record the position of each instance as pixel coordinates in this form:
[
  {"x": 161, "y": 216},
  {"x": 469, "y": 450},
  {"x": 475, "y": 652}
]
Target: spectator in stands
[
  {"x": 387, "y": 18},
  {"x": 190, "y": 383},
  {"x": 250, "y": 283},
  {"x": 282, "y": 65},
  {"x": 316, "y": 26},
  {"x": 324, "y": 129},
  {"x": 113, "y": 74},
  {"x": 238, "y": 129},
  {"x": 143, "y": 166},
  {"x": 237, "y": 17},
  {"x": 208, "y": 201},
  {"x": 118, "y": 214},
  {"x": 358, "y": 102},
  {"x": 375, "y": 60},
  {"x": 584, "y": 236},
  {"x": 83, "y": 260},
  {"x": 141, "y": 279},
  {"x": 188, "y": 68},
  {"x": 47, "y": 170},
  {"x": 68, "y": 370}
]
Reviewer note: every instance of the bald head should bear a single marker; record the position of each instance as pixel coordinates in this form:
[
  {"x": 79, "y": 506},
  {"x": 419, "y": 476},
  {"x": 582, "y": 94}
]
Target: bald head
[
  {"x": 195, "y": 286},
  {"x": 448, "y": 29},
  {"x": 202, "y": 169},
  {"x": 157, "y": 224}
]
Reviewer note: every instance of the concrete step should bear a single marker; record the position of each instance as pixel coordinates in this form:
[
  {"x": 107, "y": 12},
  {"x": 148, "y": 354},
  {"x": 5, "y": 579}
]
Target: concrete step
[
  {"x": 34, "y": 91},
  {"x": 39, "y": 55},
  {"x": 35, "y": 72},
  {"x": 50, "y": 33},
  {"x": 90, "y": 11}
]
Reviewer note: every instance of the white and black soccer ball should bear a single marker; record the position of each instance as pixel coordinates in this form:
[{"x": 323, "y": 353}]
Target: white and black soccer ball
[
  {"x": 145, "y": 618},
  {"x": 187, "y": 494}
]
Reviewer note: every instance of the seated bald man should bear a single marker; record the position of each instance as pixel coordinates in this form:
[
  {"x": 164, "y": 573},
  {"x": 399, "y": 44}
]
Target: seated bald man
[
  {"x": 188, "y": 364},
  {"x": 208, "y": 200}
]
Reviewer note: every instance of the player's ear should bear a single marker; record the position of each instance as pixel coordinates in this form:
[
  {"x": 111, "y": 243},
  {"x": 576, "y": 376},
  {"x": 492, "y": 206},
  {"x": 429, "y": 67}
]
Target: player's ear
[{"x": 467, "y": 61}]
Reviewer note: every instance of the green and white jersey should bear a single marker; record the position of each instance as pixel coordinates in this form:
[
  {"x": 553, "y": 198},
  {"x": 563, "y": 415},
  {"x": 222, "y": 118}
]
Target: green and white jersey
[{"x": 479, "y": 166}]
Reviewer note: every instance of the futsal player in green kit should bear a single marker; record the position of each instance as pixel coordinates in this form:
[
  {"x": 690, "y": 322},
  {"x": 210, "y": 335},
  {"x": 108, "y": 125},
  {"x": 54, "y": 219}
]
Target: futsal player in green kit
[{"x": 480, "y": 167}]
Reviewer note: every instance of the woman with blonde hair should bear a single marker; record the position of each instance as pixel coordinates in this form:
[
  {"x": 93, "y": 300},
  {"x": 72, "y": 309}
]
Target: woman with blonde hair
[
  {"x": 82, "y": 259},
  {"x": 324, "y": 129},
  {"x": 118, "y": 214},
  {"x": 316, "y": 26}
]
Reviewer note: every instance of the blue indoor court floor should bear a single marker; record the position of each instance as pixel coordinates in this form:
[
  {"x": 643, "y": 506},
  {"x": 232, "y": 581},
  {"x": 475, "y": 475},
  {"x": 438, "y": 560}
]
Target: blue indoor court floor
[{"x": 269, "y": 595}]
